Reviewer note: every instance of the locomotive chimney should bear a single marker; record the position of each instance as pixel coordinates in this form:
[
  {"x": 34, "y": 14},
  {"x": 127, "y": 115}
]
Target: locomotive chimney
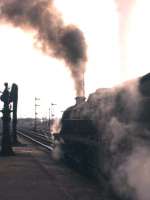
[{"x": 80, "y": 99}]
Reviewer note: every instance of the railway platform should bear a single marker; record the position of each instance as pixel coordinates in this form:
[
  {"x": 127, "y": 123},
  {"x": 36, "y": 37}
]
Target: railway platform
[{"x": 32, "y": 174}]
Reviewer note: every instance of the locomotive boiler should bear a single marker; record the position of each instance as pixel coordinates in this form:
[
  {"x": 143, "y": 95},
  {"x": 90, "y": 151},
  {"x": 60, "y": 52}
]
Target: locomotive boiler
[{"x": 103, "y": 135}]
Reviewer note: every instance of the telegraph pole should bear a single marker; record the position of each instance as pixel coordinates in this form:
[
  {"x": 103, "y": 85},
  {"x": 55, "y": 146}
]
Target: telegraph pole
[
  {"x": 83, "y": 85},
  {"x": 49, "y": 118},
  {"x": 35, "y": 113},
  {"x": 52, "y": 104},
  {"x": 51, "y": 115}
]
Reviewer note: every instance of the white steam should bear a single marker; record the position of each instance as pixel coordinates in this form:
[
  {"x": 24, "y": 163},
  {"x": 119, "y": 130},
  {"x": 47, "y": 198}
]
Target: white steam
[
  {"x": 137, "y": 168},
  {"x": 115, "y": 113}
]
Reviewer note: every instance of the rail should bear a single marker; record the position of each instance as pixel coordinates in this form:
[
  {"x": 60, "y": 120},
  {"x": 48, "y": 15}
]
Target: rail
[{"x": 49, "y": 147}]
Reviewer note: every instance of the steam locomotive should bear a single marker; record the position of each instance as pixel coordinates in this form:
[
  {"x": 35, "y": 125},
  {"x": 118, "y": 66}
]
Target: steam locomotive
[{"x": 101, "y": 134}]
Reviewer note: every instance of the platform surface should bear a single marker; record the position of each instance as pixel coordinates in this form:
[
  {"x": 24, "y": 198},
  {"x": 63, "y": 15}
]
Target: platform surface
[{"x": 32, "y": 174}]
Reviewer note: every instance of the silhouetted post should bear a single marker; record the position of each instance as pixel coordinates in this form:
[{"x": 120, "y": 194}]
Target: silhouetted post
[
  {"x": 35, "y": 119},
  {"x": 14, "y": 99},
  {"x": 49, "y": 119},
  {"x": 6, "y": 141},
  {"x": 52, "y": 113}
]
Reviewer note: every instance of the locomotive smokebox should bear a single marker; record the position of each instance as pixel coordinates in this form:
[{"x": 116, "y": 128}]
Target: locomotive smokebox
[{"x": 80, "y": 99}]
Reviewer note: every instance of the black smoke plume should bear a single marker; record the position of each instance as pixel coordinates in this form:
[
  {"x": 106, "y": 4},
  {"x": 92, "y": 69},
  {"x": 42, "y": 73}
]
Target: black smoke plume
[{"x": 52, "y": 36}]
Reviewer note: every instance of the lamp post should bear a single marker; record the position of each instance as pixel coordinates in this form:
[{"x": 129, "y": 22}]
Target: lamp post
[{"x": 6, "y": 149}]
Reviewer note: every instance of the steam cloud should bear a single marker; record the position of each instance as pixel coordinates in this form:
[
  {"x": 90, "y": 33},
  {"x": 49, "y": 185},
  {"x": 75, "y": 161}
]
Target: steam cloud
[
  {"x": 123, "y": 134},
  {"x": 52, "y": 36},
  {"x": 124, "y": 8}
]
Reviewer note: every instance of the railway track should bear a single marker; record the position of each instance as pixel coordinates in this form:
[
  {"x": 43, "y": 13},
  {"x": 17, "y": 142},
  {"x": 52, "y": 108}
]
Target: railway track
[
  {"x": 38, "y": 138},
  {"x": 48, "y": 144}
]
